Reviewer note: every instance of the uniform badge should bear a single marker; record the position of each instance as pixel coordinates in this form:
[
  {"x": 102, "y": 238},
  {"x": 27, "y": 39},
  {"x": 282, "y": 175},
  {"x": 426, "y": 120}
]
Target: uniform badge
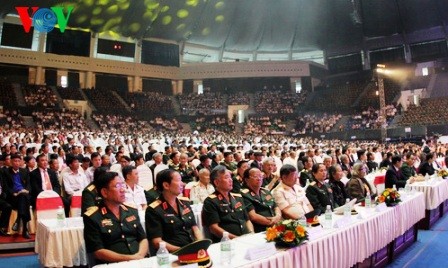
[
  {"x": 186, "y": 211},
  {"x": 237, "y": 205},
  {"x": 165, "y": 205},
  {"x": 103, "y": 210},
  {"x": 131, "y": 218},
  {"x": 106, "y": 222}
]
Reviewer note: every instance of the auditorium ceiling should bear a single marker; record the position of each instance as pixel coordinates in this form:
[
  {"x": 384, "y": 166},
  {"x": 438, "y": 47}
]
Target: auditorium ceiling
[{"x": 270, "y": 26}]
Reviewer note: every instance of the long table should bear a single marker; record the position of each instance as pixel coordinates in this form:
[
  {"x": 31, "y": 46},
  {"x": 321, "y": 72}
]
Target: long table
[
  {"x": 63, "y": 245},
  {"x": 365, "y": 242},
  {"x": 436, "y": 196}
]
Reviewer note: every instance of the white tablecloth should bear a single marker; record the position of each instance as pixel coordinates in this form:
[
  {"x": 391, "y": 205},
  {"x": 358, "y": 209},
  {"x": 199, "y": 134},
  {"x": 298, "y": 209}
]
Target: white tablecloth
[
  {"x": 436, "y": 191},
  {"x": 60, "y": 246},
  {"x": 336, "y": 247}
]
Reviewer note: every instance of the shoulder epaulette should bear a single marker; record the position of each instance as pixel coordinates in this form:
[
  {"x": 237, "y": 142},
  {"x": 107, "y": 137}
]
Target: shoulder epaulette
[
  {"x": 130, "y": 205},
  {"x": 155, "y": 203},
  {"x": 212, "y": 196},
  {"x": 183, "y": 198},
  {"x": 234, "y": 194},
  {"x": 90, "y": 211},
  {"x": 245, "y": 191},
  {"x": 313, "y": 183},
  {"x": 91, "y": 187}
]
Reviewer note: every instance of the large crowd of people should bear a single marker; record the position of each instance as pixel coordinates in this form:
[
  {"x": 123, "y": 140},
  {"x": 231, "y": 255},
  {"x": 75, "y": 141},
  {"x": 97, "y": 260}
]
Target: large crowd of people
[
  {"x": 278, "y": 102},
  {"x": 40, "y": 96},
  {"x": 316, "y": 123}
]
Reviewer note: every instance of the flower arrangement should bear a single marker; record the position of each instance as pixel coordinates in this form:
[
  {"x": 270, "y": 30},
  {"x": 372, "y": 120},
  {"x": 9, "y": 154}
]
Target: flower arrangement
[
  {"x": 442, "y": 173},
  {"x": 390, "y": 196},
  {"x": 287, "y": 233}
]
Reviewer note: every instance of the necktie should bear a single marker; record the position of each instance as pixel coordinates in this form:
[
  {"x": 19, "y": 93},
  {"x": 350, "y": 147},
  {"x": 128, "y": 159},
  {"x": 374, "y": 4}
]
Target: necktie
[{"x": 47, "y": 181}]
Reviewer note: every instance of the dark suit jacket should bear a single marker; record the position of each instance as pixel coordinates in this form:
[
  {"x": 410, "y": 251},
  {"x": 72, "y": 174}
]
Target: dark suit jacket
[
  {"x": 8, "y": 173},
  {"x": 372, "y": 165},
  {"x": 395, "y": 177},
  {"x": 36, "y": 184},
  {"x": 426, "y": 168}
]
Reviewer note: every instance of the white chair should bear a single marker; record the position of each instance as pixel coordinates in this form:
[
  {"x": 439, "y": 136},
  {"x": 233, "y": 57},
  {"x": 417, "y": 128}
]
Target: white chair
[
  {"x": 187, "y": 188},
  {"x": 159, "y": 168},
  {"x": 75, "y": 205},
  {"x": 47, "y": 204},
  {"x": 145, "y": 177}
]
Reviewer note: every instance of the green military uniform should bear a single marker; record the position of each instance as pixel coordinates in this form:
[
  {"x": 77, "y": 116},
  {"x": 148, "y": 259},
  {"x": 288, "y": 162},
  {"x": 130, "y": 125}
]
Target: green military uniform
[
  {"x": 237, "y": 183},
  {"x": 231, "y": 216},
  {"x": 305, "y": 177},
  {"x": 90, "y": 198},
  {"x": 320, "y": 195},
  {"x": 186, "y": 172},
  {"x": 264, "y": 204},
  {"x": 407, "y": 171},
  {"x": 102, "y": 230},
  {"x": 270, "y": 182},
  {"x": 163, "y": 221},
  {"x": 151, "y": 195},
  {"x": 230, "y": 166}
]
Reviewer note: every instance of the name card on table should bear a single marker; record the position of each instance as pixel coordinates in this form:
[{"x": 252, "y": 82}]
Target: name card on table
[
  {"x": 267, "y": 249},
  {"x": 315, "y": 232},
  {"x": 381, "y": 207},
  {"x": 342, "y": 222}
]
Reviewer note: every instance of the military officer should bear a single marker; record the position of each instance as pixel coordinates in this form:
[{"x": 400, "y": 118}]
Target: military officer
[
  {"x": 90, "y": 196},
  {"x": 170, "y": 218},
  {"x": 224, "y": 211},
  {"x": 112, "y": 230},
  {"x": 318, "y": 192},
  {"x": 305, "y": 174},
  {"x": 228, "y": 162},
  {"x": 259, "y": 202},
  {"x": 270, "y": 180}
]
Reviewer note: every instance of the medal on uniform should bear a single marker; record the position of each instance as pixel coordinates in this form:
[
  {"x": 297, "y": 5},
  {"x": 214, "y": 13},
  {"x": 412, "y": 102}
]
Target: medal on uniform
[
  {"x": 131, "y": 218},
  {"x": 106, "y": 222},
  {"x": 237, "y": 205}
]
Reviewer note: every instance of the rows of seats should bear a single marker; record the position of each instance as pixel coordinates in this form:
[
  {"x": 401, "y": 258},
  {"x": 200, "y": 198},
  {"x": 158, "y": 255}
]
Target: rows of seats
[
  {"x": 59, "y": 119},
  {"x": 67, "y": 93},
  {"x": 11, "y": 119},
  {"x": 40, "y": 96},
  {"x": 122, "y": 123},
  {"x": 278, "y": 102},
  {"x": 264, "y": 125},
  {"x": 430, "y": 112},
  {"x": 202, "y": 104},
  {"x": 147, "y": 102},
  {"x": 163, "y": 124},
  {"x": 7, "y": 95},
  {"x": 316, "y": 123},
  {"x": 214, "y": 123},
  {"x": 104, "y": 101},
  {"x": 371, "y": 118}
]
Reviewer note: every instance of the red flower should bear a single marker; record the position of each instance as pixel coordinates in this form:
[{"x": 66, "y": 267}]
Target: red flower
[
  {"x": 281, "y": 228},
  {"x": 288, "y": 236}
]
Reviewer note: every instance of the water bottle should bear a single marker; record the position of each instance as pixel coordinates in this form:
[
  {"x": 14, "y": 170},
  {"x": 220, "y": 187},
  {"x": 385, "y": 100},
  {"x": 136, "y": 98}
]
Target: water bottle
[
  {"x": 394, "y": 187},
  {"x": 347, "y": 208},
  {"x": 226, "y": 249},
  {"x": 328, "y": 217},
  {"x": 60, "y": 216},
  {"x": 302, "y": 221},
  {"x": 163, "y": 257},
  {"x": 368, "y": 200}
]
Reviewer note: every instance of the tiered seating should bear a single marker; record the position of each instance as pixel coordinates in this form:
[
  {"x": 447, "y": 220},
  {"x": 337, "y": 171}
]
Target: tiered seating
[
  {"x": 430, "y": 112},
  {"x": 105, "y": 102},
  {"x": 239, "y": 98},
  {"x": 210, "y": 124},
  {"x": 161, "y": 124},
  {"x": 278, "y": 102},
  {"x": 70, "y": 93},
  {"x": 40, "y": 96},
  {"x": 120, "y": 123},
  {"x": 209, "y": 103},
  {"x": 264, "y": 125},
  {"x": 11, "y": 119},
  {"x": 7, "y": 95},
  {"x": 337, "y": 97},
  {"x": 320, "y": 123},
  {"x": 59, "y": 119},
  {"x": 371, "y": 118},
  {"x": 147, "y": 102}
]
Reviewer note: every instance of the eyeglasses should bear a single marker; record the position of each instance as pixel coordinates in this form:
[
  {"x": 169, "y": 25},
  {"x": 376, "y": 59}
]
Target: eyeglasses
[{"x": 119, "y": 185}]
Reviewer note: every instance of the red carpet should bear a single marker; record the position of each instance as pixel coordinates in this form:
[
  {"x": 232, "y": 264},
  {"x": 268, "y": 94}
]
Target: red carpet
[{"x": 15, "y": 239}]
